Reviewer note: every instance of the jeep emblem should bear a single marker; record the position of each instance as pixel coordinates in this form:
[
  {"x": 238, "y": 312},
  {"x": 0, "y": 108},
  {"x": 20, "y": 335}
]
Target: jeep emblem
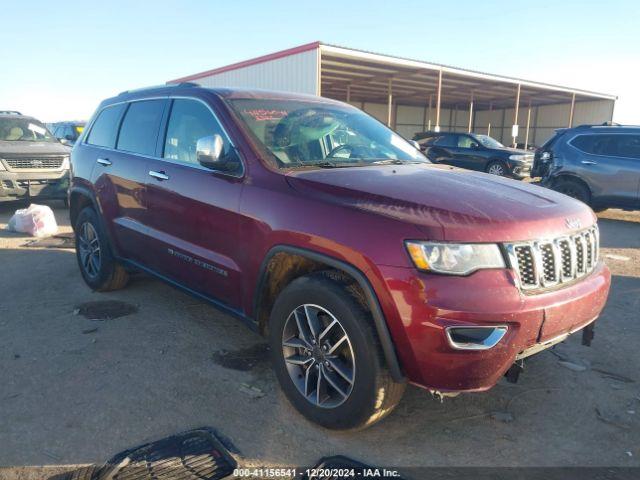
[{"x": 572, "y": 223}]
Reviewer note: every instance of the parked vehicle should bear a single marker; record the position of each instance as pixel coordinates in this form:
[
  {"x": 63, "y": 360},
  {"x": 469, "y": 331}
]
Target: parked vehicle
[
  {"x": 33, "y": 163},
  {"x": 597, "y": 164},
  {"x": 365, "y": 265},
  {"x": 475, "y": 152},
  {"x": 67, "y": 132}
]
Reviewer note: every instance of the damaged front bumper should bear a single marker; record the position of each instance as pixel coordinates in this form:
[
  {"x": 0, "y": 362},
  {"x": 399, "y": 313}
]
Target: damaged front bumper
[{"x": 432, "y": 305}]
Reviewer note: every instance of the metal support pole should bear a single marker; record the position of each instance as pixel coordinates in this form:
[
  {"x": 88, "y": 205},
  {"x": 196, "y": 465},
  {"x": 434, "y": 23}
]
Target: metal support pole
[
  {"x": 489, "y": 123},
  {"x": 515, "y": 118},
  {"x": 389, "y": 102},
  {"x": 429, "y": 121},
  {"x": 470, "y": 113},
  {"x": 573, "y": 106},
  {"x": 348, "y": 93},
  {"x": 526, "y": 135},
  {"x": 437, "y": 129}
]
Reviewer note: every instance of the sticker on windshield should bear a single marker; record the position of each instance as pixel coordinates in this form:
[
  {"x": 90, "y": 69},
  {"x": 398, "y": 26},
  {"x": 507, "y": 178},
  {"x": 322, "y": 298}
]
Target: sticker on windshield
[{"x": 37, "y": 129}]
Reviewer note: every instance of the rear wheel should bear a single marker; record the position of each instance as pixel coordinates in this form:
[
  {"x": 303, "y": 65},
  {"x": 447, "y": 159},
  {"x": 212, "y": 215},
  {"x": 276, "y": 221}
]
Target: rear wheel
[
  {"x": 497, "y": 168},
  {"x": 326, "y": 354},
  {"x": 574, "y": 189},
  {"x": 98, "y": 267}
]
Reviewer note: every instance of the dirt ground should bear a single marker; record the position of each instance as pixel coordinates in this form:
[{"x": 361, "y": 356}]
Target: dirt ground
[{"x": 76, "y": 389}]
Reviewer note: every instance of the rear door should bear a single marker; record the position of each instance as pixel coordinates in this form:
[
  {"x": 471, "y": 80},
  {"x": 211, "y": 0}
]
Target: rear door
[
  {"x": 610, "y": 164},
  {"x": 120, "y": 141},
  {"x": 442, "y": 149},
  {"x": 193, "y": 211}
]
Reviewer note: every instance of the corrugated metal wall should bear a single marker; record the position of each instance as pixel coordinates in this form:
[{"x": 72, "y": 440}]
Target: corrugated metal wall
[
  {"x": 544, "y": 119},
  {"x": 294, "y": 73}
]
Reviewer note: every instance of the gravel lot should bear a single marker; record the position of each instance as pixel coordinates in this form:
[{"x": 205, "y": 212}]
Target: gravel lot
[{"x": 75, "y": 390}]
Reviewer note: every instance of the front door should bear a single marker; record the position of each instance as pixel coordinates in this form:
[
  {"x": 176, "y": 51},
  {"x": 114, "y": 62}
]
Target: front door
[{"x": 192, "y": 210}]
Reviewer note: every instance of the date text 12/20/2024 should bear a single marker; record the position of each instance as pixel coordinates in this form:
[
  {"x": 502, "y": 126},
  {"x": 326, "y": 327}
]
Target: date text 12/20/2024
[{"x": 364, "y": 472}]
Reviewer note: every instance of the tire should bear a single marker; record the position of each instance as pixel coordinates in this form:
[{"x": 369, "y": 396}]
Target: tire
[
  {"x": 326, "y": 298},
  {"x": 498, "y": 168},
  {"x": 574, "y": 189},
  {"x": 98, "y": 267}
]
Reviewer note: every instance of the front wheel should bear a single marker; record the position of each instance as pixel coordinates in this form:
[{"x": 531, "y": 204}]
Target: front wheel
[
  {"x": 497, "y": 168},
  {"x": 574, "y": 189},
  {"x": 326, "y": 354}
]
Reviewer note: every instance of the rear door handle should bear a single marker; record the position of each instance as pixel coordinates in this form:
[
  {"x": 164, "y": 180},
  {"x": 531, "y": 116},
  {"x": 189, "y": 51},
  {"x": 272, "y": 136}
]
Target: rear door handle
[
  {"x": 159, "y": 175},
  {"x": 105, "y": 162},
  {"x": 588, "y": 162}
]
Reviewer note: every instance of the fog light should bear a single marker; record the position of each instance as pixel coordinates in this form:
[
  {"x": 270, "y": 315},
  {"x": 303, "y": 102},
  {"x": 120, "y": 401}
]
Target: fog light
[{"x": 475, "y": 338}]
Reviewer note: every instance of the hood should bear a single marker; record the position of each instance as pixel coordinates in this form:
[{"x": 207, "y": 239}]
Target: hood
[
  {"x": 517, "y": 151},
  {"x": 446, "y": 203},
  {"x": 20, "y": 149}
]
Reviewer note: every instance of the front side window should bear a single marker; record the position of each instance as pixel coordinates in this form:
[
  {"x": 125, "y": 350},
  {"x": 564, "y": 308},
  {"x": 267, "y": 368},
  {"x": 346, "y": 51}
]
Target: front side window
[
  {"x": 190, "y": 120},
  {"x": 105, "y": 128},
  {"x": 301, "y": 133},
  {"x": 465, "y": 141},
  {"x": 18, "y": 129},
  {"x": 139, "y": 131}
]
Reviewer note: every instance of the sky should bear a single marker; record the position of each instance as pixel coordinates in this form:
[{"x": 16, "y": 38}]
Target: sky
[{"x": 58, "y": 60}]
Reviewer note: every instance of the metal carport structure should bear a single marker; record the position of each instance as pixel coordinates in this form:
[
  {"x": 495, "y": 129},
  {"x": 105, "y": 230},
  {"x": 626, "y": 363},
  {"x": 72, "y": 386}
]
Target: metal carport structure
[{"x": 413, "y": 96}]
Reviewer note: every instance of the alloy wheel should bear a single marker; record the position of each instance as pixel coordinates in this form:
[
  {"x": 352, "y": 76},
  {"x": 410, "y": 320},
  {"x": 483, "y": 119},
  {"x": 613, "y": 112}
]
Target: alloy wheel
[
  {"x": 496, "y": 169},
  {"x": 318, "y": 356},
  {"x": 89, "y": 249}
]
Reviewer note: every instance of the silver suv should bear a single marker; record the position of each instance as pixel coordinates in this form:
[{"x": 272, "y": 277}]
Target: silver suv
[
  {"x": 599, "y": 165},
  {"x": 33, "y": 163}
]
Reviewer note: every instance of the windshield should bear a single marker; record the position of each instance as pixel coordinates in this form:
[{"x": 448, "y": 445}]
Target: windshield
[
  {"x": 488, "y": 142},
  {"x": 24, "y": 130},
  {"x": 307, "y": 133}
]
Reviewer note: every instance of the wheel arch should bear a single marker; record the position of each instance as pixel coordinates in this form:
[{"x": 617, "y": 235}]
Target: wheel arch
[
  {"x": 81, "y": 197},
  {"x": 285, "y": 263},
  {"x": 572, "y": 177}
]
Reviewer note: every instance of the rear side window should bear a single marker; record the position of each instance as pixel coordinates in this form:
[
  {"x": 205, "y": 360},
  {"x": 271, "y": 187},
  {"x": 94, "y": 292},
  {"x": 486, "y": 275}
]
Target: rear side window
[
  {"x": 626, "y": 146},
  {"x": 446, "y": 141},
  {"x": 620, "y": 145},
  {"x": 139, "y": 131},
  {"x": 104, "y": 130}
]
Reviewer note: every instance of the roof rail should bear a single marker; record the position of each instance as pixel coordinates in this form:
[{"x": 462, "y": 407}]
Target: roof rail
[
  {"x": 142, "y": 89},
  {"x": 9, "y": 112},
  {"x": 604, "y": 124}
]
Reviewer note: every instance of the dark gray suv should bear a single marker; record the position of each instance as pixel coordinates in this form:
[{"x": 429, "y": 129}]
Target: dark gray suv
[{"x": 599, "y": 165}]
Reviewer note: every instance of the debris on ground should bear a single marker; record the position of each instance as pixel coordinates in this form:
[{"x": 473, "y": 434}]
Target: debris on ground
[
  {"x": 63, "y": 240},
  {"x": 253, "y": 392},
  {"x": 36, "y": 220},
  {"x": 504, "y": 417},
  {"x": 576, "y": 367},
  {"x": 613, "y": 376},
  {"x": 105, "y": 310},
  {"x": 611, "y": 418},
  {"x": 613, "y": 256},
  {"x": 243, "y": 359}
]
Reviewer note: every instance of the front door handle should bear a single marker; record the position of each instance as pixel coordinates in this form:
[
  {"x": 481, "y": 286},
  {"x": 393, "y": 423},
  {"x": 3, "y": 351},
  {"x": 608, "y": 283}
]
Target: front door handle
[
  {"x": 588, "y": 162},
  {"x": 105, "y": 162},
  {"x": 159, "y": 175}
]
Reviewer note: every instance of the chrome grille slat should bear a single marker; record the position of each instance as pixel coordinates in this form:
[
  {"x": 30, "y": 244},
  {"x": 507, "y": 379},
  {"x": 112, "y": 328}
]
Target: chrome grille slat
[
  {"x": 547, "y": 263},
  {"x": 34, "y": 162}
]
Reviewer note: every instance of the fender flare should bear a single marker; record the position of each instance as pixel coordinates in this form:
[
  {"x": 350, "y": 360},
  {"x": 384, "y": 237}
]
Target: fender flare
[{"x": 379, "y": 321}]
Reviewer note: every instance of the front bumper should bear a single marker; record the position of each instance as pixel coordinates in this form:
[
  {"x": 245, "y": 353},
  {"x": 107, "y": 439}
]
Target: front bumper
[
  {"x": 520, "y": 170},
  {"x": 34, "y": 184},
  {"x": 422, "y": 306}
]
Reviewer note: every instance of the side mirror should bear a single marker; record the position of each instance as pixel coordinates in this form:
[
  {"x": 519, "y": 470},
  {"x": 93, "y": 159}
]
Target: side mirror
[
  {"x": 415, "y": 144},
  {"x": 209, "y": 151},
  {"x": 475, "y": 146},
  {"x": 64, "y": 141}
]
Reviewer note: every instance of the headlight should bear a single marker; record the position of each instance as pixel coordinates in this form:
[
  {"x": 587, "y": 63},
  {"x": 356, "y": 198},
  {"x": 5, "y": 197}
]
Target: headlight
[
  {"x": 65, "y": 163},
  {"x": 2, "y": 166},
  {"x": 518, "y": 157},
  {"x": 455, "y": 258}
]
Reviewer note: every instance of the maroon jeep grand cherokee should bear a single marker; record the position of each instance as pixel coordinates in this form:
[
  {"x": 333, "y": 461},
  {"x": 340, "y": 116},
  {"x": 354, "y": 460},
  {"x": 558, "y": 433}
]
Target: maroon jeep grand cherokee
[{"x": 365, "y": 265}]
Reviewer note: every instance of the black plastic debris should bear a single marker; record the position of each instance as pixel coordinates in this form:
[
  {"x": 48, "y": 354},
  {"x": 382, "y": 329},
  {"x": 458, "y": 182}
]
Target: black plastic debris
[
  {"x": 105, "y": 309},
  {"x": 339, "y": 467},
  {"x": 196, "y": 454}
]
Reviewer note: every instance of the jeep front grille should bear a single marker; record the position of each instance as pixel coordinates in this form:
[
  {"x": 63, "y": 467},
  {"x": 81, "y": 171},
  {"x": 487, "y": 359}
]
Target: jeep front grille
[
  {"x": 40, "y": 163},
  {"x": 547, "y": 263}
]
